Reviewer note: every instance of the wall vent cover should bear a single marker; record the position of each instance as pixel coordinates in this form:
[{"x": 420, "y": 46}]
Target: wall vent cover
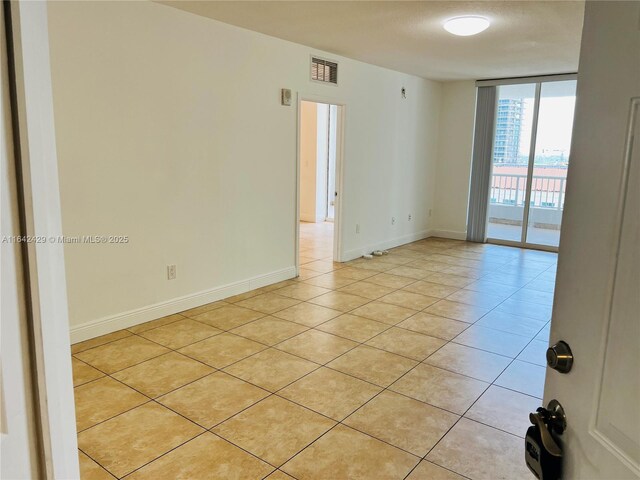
[{"x": 324, "y": 71}]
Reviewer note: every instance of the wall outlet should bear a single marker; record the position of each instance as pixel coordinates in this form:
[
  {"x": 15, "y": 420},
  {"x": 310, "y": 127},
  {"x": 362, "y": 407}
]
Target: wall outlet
[
  {"x": 393, "y": 220},
  {"x": 171, "y": 272},
  {"x": 429, "y": 212},
  {"x": 409, "y": 218},
  {"x": 357, "y": 228}
]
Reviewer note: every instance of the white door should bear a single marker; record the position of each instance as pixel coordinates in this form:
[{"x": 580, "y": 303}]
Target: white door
[{"x": 597, "y": 306}]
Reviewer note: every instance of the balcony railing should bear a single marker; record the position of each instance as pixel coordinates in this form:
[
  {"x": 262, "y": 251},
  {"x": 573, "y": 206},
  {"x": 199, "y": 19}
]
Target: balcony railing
[{"x": 546, "y": 191}]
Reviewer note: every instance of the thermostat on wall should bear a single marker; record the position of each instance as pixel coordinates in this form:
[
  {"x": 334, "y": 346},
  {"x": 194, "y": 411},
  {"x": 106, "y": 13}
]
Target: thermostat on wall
[{"x": 285, "y": 98}]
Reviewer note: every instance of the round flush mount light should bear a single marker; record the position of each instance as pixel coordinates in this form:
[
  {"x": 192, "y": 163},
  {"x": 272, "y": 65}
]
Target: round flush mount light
[{"x": 466, "y": 25}]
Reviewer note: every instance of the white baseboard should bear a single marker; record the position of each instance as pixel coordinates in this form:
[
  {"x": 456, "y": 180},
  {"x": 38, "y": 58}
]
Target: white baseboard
[
  {"x": 102, "y": 326},
  {"x": 452, "y": 234},
  {"x": 394, "y": 242}
]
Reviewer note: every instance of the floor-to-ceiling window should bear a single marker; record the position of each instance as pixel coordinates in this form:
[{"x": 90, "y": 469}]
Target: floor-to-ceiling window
[{"x": 530, "y": 158}]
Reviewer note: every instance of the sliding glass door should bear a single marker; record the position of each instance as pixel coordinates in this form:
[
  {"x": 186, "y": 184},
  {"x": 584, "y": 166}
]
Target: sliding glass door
[{"x": 530, "y": 158}]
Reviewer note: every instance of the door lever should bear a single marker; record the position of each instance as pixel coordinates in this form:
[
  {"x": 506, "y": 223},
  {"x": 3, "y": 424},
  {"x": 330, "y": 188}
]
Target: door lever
[
  {"x": 542, "y": 453},
  {"x": 548, "y": 442}
]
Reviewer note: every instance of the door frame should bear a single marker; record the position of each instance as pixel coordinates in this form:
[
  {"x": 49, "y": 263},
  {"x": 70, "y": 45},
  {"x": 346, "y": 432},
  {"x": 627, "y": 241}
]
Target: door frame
[
  {"x": 538, "y": 81},
  {"x": 39, "y": 209},
  {"x": 339, "y": 180}
]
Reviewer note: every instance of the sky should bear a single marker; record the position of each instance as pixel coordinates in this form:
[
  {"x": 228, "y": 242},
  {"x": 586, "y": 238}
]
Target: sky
[{"x": 555, "y": 122}]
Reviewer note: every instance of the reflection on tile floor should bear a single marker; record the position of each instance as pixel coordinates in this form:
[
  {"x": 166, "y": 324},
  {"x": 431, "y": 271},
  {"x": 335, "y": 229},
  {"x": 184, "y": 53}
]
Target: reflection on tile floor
[{"x": 388, "y": 368}]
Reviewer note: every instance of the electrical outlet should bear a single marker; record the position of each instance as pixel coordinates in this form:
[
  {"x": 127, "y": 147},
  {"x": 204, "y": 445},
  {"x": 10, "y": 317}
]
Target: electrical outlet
[
  {"x": 357, "y": 228},
  {"x": 171, "y": 272},
  {"x": 409, "y": 218},
  {"x": 429, "y": 212},
  {"x": 393, "y": 220}
]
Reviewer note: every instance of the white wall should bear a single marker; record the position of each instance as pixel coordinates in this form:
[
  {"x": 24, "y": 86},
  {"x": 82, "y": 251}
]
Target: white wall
[
  {"x": 170, "y": 131},
  {"x": 308, "y": 159},
  {"x": 454, "y": 159},
  {"x": 321, "y": 162}
]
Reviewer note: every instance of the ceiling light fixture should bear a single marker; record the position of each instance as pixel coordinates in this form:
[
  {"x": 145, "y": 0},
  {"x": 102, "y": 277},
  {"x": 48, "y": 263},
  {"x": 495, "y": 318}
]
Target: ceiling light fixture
[{"x": 466, "y": 25}]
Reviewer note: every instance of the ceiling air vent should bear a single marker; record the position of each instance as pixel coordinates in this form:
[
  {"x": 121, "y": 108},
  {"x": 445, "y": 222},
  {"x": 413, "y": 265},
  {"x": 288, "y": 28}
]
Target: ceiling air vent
[{"x": 324, "y": 71}]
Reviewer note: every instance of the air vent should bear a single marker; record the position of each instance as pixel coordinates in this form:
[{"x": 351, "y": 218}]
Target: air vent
[{"x": 324, "y": 71}]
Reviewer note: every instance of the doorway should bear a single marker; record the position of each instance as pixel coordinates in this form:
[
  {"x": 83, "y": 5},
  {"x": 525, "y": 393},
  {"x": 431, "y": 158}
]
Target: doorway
[
  {"x": 318, "y": 161},
  {"x": 529, "y": 164}
]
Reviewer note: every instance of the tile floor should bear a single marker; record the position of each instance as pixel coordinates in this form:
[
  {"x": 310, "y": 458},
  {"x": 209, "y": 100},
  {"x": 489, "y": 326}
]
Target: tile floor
[{"x": 421, "y": 364}]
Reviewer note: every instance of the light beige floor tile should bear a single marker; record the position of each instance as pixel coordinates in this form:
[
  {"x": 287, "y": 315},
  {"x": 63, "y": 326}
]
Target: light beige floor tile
[
  {"x": 469, "y": 361},
  {"x": 102, "y": 399},
  {"x": 536, "y": 353},
  {"x": 353, "y": 327},
  {"x": 434, "y": 325},
  {"x": 429, "y": 265},
  {"x": 403, "y": 422},
  {"x": 513, "y": 414},
  {"x": 406, "y": 343},
  {"x": 354, "y": 273},
  {"x": 206, "y": 456},
  {"x": 268, "y": 303},
  {"x": 222, "y": 350},
  {"x": 307, "y": 314},
  {"x": 492, "y": 288},
  {"x": 269, "y": 330},
  {"x": 323, "y": 266},
  {"x": 457, "y": 311},
  {"x": 372, "y": 264},
  {"x": 213, "y": 399},
  {"x": 391, "y": 281},
  {"x": 449, "y": 279},
  {"x": 339, "y": 301},
  {"x": 162, "y": 374},
  {"x": 414, "y": 301},
  {"x": 523, "y": 377},
  {"x": 121, "y": 354},
  {"x": 345, "y": 453},
  {"x": 440, "y": 388},
  {"x": 102, "y": 340},
  {"x": 431, "y": 471},
  {"x": 384, "y": 312},
  {"x": 480, "y": 299},
  {"x": 90, "y": 470},
  {"x": 242, "y": 296},
  {"x": 480, "y": 452},
  {"x": 301, "y": 291},
  {"x": 160, "y": 322},
  {"x": 226, "y": 318},
  {"x": 373, "y": 365},
  {"x": 271, "y": 369},
  {"x": 331, "y": 281},
  {"x": 527, "y": 327},
  {"x": 274, "y": 429},
  {"x": 276, "y": 286},
  {"x": 192, "y": 312},
  {"x": 136, "y": 437},
  {"x": 181, "y": 333},
  {"x": 317, "y": 346},
  {"x": 431, "y": 289},
  {"x": 495, "y": 341},
  {"x": 278, "y": 475},
  {"x": 409, "y": 272},
  {"x": 526, "y": 309},
  {"x": 83, "y": 373},
  {"x": 366, "y": 290},
  {"x": 330, "y": 393}
]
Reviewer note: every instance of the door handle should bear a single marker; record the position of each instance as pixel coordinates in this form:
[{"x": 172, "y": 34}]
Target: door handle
[{"x": 542, "y": 453}]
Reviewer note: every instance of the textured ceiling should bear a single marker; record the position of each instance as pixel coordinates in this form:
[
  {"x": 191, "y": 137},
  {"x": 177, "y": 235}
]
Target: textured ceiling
[{"x": 525, "y": 37}]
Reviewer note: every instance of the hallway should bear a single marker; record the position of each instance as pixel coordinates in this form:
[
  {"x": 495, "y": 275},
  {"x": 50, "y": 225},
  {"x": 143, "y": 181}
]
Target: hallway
[{"x": 420, "y": 364}]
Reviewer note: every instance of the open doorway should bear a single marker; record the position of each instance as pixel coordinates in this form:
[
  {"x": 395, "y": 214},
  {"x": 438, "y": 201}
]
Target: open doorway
[{"x": 319, "y": 156}]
